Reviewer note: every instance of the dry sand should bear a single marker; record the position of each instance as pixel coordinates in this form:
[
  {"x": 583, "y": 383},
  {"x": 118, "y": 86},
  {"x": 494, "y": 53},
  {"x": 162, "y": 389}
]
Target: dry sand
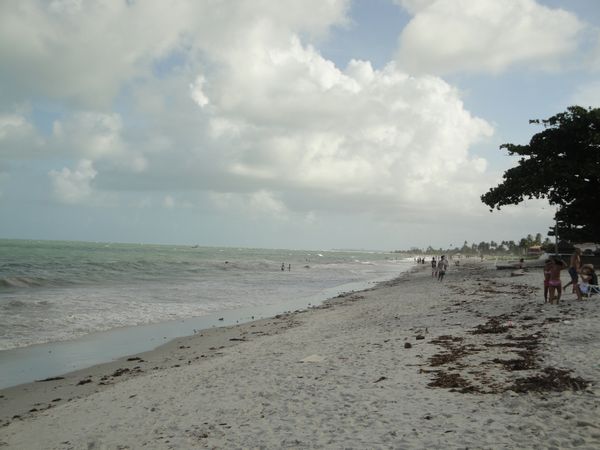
[{"x": 477, "y": 361}]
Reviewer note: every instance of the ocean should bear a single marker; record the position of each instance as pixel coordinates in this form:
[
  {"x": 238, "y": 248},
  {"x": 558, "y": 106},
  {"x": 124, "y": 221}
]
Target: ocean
[{"x": 55, "y": 291}]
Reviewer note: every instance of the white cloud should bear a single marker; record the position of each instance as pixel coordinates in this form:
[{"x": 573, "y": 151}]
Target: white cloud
[
  {"x": 485, "y": 36},
  {"x": 196, "y": 91},
  {"x": 97, "y": 136},
  {"x": 257, "y": 205},
  {"x": 264, "y": 202},
  {"x": 169, "y": 202},
  {"x": 88, "y": 50},
  {"x": 253, "y": 114},
  {"x": 415, "y": 6},
  {"x": 74, "y": 186},
  {"x": 13, "y": 124},
  {"x": 18, "y": 137},
  {"x": 380, "y": 138}
]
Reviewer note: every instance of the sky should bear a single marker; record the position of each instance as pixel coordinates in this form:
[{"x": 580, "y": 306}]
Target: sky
[{"x": 305, "y": 124}]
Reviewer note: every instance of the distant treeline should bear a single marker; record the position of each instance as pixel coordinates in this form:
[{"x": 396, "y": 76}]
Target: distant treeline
[{"x": 487, "y": 248}]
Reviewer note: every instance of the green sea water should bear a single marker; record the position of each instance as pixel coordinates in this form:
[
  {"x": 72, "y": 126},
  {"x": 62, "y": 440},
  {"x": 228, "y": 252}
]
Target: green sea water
[{"x": 58, "y": 290}]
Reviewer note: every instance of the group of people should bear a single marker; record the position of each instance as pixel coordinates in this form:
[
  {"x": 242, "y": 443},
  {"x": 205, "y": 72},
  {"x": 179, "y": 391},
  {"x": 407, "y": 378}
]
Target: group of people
[
  {"x": 552, "y": 283},
  {"x": 439, "y": 267}
]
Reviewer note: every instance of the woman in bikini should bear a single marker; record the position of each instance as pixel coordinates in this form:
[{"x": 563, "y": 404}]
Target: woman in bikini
[{"x": 554, "y": 283}]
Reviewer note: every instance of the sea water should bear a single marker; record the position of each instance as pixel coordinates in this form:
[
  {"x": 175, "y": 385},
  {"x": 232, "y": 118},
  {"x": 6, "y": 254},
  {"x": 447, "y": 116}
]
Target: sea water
[{"x": 53, "y": 291}]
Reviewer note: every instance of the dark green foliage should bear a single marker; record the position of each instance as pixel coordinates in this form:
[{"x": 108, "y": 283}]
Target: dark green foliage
[
  {"x": 485, "y": 248},
  {"x": 561, "y": 164}
]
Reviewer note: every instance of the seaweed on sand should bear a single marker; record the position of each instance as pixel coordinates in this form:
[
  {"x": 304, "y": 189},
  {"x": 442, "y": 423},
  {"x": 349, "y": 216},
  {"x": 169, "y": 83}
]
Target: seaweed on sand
[
  {"x": 452, "y": 381},
  {"x": 455, "y": 350},
  {"x": 492, "y": 326},
  {"x": 551, "y": 379}
]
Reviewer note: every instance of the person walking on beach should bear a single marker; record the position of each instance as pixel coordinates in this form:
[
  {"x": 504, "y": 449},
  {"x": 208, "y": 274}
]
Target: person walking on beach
[
  {"x": 574, "y": 268},
  {"x": 554, "y": 283},
  {"x": 442, "y": 266},
  {"x": 547, "y": 273},
  {"x": 433, "y": 267}
]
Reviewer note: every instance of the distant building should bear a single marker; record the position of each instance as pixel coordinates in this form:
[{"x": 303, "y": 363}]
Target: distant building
[{"x": 535, "y": 250}]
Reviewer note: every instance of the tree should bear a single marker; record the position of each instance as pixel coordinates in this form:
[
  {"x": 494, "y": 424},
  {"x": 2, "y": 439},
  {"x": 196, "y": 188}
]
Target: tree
[
  {"x": 483, "y": 247},
  {"x": 524, "y": 244},
  {"x": 465, "y": 248},
  {"x": 561, "y": 164}
]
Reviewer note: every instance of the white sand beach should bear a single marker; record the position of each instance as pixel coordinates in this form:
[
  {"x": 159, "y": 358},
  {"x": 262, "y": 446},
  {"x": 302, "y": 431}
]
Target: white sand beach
[{"x": 477, "y": 361}]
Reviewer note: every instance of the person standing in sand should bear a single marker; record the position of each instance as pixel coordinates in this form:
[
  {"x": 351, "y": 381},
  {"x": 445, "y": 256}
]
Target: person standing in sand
[
  {"x": 547, "y": 272},
  {"x": 554, "y": 283},
  {"x": 574, "y": 268},
  {"x": 433, "y": 267},
  {"x": 442, "y": 266}
]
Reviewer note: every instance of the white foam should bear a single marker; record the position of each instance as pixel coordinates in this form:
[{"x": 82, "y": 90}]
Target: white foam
[{"x": 36, "y": 316}]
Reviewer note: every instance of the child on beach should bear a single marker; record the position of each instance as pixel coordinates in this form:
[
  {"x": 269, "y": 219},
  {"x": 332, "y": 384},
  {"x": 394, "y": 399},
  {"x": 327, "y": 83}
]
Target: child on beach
[
  {"x": 433, "y": 267},
  {"x": 554, "y": 283},
  {"x": 588, "y": 279}
]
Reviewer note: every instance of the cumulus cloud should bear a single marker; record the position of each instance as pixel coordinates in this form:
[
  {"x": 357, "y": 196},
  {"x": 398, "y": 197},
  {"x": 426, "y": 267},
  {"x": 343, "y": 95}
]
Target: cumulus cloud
[
  {"x": 415, "y": 6},
  {"x": 197, "y": 93},
  {"x": 377, "y": 138},
  {"x": 484, "y": 36},
  {"x": 88, "y": 49},
  {"x": 253, "y": 114},
  {"x": 264, "y": 202},
  {"x": 258, "y": 205},
  {"x": 18, "y": 137},
  {"x": 13, "y": 124},
  {"x": 97, "y": 136},
  {"x": 74, "y": 186}
]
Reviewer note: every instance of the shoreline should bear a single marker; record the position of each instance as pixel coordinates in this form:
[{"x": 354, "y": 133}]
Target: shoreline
[
  {"x": 44, "y": 360},
  {"x": 221, "y": 330},
  {"x": 477, "y": 360}
]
